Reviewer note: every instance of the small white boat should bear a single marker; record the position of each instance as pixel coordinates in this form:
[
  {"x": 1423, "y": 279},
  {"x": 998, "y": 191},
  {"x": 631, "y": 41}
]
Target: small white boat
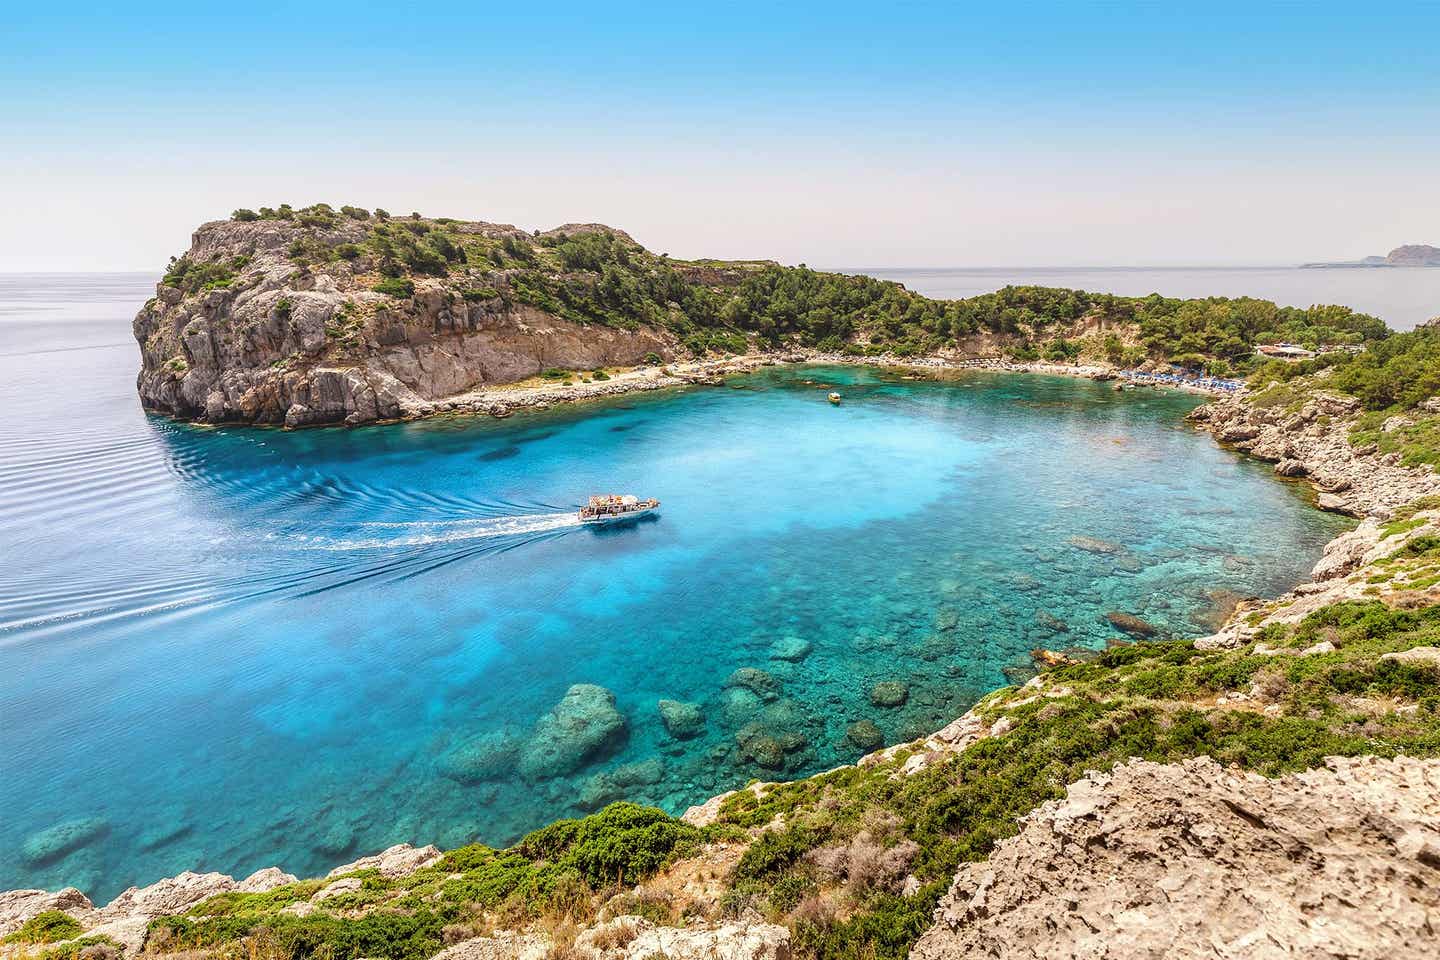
[
  {"x": 834, "y": 398},
  {"x": 617, "y": 508}
]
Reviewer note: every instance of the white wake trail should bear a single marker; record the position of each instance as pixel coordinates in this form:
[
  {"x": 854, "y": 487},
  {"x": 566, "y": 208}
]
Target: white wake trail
[{"x": 425, "y": 532}]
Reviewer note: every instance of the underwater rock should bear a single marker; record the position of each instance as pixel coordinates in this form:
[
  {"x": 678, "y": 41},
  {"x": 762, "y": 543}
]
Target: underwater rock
[
  {"x": 889, "y": 693},
  {"x": 864, "y": 735},
  {"x": 757, "y": 681},
  {"x": 581, "y": 725},
  {"x": 947, "y": 618},
  {"x": 1094, "y": 545},
  {"x": 334, "y": 840},
  {"x": 738, "y": 706},
  {"x": 1131, "y": 624},
  {"x": 1222, "y": 604},
  {"x": 1048, "y": 621},
  {"x": 490, "y": 756},
  {"x": 759, "y": 747},
  {"x": 790, "y": 649},
  {"x": 54, "y": 843},
  {"x": 683, "y": 721},
  {"x": 610, "y": 785}
]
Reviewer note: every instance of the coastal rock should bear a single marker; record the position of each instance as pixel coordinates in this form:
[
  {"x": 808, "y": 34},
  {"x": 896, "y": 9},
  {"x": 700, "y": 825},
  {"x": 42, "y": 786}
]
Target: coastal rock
[
  {"x": 759, "y": 747},
  {"x": 338, "y": 888},
  {"x": 1094, "y": 545},
  {"x": 490, "y": 756},
  {"x": 501, "y": 945},
  {"x": 17, "y": 906},
  {"x": 757, "y": 681},
  {"x": 61, "y": 840},
  {"x": 864, "y": 735},
  {"x": 1290, "y": 468},
  {"x": 400, "y": 860},
  {"x": 683, "y": 721},
  {"x": 1193, "y": 860},
  {"x": 1346, "y": 552},
  {"x": 790, "y": 649},
  {"x": 1419, "y": 656},
  {"x": 635, "y": 938},
  {"x": 620, "y": 783},
  {"x": 584, "y": 723},
  {"x": 1131, "y": 624},
  {"x": 889, "y": 693},
  {"x": 1050, "y": 623}
]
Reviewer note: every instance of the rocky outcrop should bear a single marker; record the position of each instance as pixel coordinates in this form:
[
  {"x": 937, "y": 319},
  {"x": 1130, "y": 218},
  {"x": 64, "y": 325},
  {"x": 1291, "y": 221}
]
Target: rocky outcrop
[
  {"x": 1194, "y": 860},
  {"x": 400, "y": 860},
  {"x": 299, "y": 343},
  {"x": 126, "y": 919},
  {"x": 1313, "y": 442}
]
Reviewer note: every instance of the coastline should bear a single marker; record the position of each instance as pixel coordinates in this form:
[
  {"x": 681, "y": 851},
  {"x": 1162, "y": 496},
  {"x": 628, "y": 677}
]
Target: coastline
[{"x": 505, "y": 400}]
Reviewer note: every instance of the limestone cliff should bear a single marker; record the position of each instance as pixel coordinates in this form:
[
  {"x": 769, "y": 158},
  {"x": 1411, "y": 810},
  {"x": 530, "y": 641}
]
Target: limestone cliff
[{"x": 265, "y": 322}]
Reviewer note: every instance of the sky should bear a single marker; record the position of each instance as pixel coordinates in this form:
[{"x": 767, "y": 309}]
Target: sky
[{"x": 905, "y": 134}]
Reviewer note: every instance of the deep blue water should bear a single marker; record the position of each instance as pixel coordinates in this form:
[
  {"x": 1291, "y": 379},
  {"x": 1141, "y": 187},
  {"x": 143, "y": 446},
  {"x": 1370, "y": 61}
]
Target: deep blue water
[{"x": 248, "y": 647}]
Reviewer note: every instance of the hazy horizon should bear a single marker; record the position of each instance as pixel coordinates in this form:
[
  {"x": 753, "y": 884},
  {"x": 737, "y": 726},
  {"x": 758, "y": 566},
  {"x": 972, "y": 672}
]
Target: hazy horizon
[{"x": 1048, "y": 136}]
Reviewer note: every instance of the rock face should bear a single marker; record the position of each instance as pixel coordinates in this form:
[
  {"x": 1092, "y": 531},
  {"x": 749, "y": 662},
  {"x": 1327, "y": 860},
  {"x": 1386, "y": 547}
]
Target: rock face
[
  {"x": 302, "y": 343},
  {"x": 1192, "y": 860},
  {"x": 1314, "y": 443},
  {"x": 635, "y": 938},
  {"x": 400, "y": 860},
  {"x": 577, "y": 728}
]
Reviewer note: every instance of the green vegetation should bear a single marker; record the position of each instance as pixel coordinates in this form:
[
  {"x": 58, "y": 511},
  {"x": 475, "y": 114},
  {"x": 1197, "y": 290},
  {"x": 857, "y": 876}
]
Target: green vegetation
[
  {"x": 193, "y": 277},
  {"x": 602, "y": 277},
  {"x": 395, "y": 287},
  {"x": 49, "y": 926},
  {"x": 559, "y": 869}
]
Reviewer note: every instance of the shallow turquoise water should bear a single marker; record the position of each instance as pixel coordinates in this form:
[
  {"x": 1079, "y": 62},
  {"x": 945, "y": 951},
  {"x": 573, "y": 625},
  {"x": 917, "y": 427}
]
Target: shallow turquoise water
[{"x": 243, "y": 648}]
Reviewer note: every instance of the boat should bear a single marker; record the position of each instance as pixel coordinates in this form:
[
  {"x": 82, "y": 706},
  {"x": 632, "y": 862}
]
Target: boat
[
  {"x": 834, "y": 398},
  {"x": 617, "y": 508}
]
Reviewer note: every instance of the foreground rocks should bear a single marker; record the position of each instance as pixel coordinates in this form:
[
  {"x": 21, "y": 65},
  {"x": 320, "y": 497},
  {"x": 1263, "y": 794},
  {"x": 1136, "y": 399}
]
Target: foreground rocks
[
  {"x": 126, "y": 918},
  {"x": 1193, "y": 860}
]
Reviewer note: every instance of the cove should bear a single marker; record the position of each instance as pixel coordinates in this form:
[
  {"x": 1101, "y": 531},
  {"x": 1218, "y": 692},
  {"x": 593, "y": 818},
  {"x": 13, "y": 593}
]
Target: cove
[{"x": 238, "y": 647}]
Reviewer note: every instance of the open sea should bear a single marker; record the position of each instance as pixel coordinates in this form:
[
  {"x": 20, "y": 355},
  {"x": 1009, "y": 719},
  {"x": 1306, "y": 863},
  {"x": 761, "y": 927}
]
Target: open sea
[{"x": 222, "y": 649}]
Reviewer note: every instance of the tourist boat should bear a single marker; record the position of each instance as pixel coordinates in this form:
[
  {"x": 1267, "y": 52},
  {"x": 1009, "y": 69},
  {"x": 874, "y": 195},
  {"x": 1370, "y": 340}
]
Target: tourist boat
[
  {"x": 615, "y": 508},
  {"x": 834, "y": 398}
]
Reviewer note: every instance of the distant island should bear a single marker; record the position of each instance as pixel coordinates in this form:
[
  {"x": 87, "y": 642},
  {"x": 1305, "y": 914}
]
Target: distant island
[{"x": 1409, "y": 255}]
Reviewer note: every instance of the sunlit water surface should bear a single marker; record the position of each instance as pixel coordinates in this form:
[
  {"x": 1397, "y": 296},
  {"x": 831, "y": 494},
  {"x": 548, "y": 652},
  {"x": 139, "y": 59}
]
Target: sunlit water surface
[{"x": 247, "y": 647}]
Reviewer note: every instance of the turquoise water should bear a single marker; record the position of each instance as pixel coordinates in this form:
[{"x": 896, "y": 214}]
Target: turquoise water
[{"x": 241, "y": 648}]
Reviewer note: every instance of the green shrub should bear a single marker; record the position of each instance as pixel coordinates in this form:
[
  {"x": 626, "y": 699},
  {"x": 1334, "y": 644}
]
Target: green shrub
[
  {"x": 395, "y": 287},
  {"x": 244, "y": 216},
  {"x": 48, "y": 926}
]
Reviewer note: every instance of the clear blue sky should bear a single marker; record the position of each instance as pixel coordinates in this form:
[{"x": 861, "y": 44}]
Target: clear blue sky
[{"x": 905, "y": 134}]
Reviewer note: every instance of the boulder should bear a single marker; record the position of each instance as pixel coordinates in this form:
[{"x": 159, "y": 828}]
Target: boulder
[
  {"x": 759, "y": 747},
  {"x": 635, "y": 938},
  {"x": 889, "y": 693},
  {"x": 17, "y": 906},
  {"x": 683, "y": 721},
  {"x": 620, "y": 783},
  {"x": 1418, "y": 656},
  {"x": 790, "y": 649},
  {"x": 1094, "y": 545},
  {"x": 400, "y": 860},
  {"x": 757, "y": 681},
  {"x": 1290, "y": 468},
  {"x": 583, "y": 724},
  {"x": 1131, "y": 624},
  {"x": 864, "y": 735}
]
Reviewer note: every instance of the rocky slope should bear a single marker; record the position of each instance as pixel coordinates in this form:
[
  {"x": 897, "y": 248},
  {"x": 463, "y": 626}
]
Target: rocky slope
[{"x": 1193, "y": 860}]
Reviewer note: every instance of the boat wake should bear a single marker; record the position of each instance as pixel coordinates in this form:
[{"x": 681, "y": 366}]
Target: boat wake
[{"x": 421, "y": 533}]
